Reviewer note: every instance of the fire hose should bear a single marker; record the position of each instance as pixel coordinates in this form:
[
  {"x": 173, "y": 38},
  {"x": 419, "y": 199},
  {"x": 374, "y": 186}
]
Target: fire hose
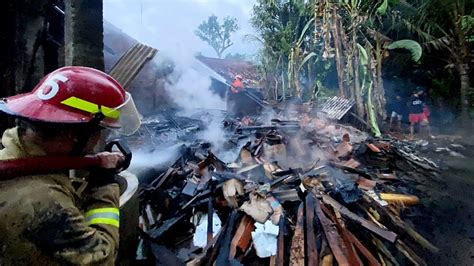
[{"x": 47, "y": 164}]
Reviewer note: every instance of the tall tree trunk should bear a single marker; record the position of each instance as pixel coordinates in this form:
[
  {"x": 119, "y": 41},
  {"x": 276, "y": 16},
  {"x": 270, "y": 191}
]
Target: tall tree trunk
[
  {"x": 357, "y": 91},
  {"x": 461, "y": 58},
  {"x": 297, "y": 53},
  {"x": 372, "y": 114},
  {"x": 465, "y": 91},
  {"x": 338, "y": 47},
  {"x": 379, "y": 89},
  {"x": 310, "y": 76},
  {"x": 283, "y": 86}
]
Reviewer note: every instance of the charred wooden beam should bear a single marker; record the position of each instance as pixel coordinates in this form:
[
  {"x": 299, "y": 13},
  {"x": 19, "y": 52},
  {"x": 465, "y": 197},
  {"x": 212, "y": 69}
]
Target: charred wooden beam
[
  {"x": 209, "y": 260},
  {"x": 335, "y": 241},
  {"x": 225, "y": 245},
  {"x": 410, "y": 254},
  {"x": 400, "y": 226},
  {"x": 312, "y": 256},
  {"x": 280, "y": 257},
  {"x": 297, "y": 243},
  {"x": 267, "y": 128},
  {"x": 384, "y": 250},
  {"x": 352, "y": 255},
  {"x": 367, "y": 254},
  {"x": 384, "y": 233},
  {"x": 210, "y": 213},
  {"x": 162, "y": 178},
  {"x": 165, "y": 227},
  {"x": 243, "y": 236}
]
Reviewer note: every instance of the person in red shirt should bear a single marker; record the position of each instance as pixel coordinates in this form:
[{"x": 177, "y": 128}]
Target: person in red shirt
[{"x": 418, "y": 114}]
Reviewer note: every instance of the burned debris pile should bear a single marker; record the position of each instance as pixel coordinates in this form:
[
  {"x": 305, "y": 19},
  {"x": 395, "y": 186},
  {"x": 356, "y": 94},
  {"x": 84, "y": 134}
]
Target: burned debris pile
[{"x": 302, "y": 191}]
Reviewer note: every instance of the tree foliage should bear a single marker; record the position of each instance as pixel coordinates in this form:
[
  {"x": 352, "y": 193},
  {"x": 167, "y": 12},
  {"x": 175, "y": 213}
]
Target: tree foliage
[
  {"x": 236, "y": 56},
  {"x": 307, "y": 41},
  {"x": 217, "y": 35},
  {"x": 447, "y": 28}
]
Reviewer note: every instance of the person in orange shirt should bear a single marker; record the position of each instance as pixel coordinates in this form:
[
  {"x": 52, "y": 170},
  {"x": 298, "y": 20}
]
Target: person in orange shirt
[{"x": 238, "y": 85}]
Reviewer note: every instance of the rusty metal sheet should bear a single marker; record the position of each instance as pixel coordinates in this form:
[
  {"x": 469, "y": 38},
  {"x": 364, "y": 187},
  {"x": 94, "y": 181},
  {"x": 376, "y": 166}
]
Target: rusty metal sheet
[
  {"x": 337, "y": 107},
  {"x": 131, "y": 63}
]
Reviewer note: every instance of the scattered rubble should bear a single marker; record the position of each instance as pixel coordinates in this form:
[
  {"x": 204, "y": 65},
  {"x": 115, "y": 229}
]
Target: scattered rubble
[{"x": 301, "y": 191}]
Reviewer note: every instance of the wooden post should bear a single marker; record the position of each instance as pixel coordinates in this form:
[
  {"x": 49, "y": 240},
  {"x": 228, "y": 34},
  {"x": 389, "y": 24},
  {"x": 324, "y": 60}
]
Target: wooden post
[{"x": 84, "y": 33}]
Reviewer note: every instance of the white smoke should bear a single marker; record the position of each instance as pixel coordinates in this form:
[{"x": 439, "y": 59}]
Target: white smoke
[{"x": 192, "y": 91}]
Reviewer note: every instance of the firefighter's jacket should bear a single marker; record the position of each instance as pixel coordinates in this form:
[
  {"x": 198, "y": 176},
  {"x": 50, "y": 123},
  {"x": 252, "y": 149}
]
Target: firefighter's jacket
[{"x": 45, "y": 220}]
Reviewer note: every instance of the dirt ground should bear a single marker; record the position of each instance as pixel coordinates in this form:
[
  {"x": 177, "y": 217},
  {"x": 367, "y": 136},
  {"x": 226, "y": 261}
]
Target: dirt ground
[{"x": 449, "y": 205}]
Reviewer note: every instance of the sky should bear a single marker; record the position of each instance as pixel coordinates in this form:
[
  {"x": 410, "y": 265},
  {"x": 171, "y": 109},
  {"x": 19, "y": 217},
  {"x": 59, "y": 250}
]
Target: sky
[{"x": 169, "y": 25}]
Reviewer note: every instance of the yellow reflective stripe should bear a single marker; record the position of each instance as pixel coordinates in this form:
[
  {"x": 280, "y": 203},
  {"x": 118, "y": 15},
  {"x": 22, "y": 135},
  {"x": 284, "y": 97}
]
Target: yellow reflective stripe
[
  {"x": 108, "y": 216},
  {"x": 104, "y": 221},
  {"x": 90, "y": 107},
  {"x": 109, "y": 112},
  {"x": 81, "y": 105},
  {"x": 102, "y": 210}
]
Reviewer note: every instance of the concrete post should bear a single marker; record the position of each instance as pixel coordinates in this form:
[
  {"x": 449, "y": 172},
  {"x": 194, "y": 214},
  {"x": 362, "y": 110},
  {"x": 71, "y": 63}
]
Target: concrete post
[{"x": 84, "y": 33}]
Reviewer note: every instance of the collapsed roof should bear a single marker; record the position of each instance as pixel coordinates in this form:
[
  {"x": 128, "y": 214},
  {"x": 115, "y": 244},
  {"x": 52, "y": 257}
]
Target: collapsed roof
[{"x": 227, "y": 69}]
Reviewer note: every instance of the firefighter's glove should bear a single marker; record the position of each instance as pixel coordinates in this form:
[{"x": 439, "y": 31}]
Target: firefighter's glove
[
  {"x": 110, "y": 160},
  {"x": 106, "y": 172}
]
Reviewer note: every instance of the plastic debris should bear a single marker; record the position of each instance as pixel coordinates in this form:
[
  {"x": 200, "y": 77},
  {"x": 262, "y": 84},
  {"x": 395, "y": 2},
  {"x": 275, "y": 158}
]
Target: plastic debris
[
  {"x": 200, "y": 236},
  {"x": 265, "y": 239}
]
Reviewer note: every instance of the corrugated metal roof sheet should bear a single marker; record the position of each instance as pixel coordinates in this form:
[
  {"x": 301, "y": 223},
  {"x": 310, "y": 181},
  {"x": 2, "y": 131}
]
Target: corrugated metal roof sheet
[
  {"x": 337, "y": 107},
  {"x": 229, "y": 68},
  {"x": 130, "y": 64}
]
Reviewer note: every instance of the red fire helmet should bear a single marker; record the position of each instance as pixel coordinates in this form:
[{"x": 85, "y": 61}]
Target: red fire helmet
[{"x": 77, "y": 94}]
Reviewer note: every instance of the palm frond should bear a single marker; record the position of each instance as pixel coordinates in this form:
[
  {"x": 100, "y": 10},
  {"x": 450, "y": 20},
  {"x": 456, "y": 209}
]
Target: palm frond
[{"x": 438, "y": 44}]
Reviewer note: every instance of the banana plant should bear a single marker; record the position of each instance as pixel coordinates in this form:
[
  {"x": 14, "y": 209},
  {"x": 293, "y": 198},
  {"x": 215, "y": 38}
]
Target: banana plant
[{"x": 297, "y": 58}]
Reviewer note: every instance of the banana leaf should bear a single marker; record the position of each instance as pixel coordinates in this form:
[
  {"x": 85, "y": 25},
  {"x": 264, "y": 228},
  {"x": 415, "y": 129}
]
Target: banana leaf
[
  {"x": 410, "y": 45},
  {"x": 303, "y": 32},
  {"x": 467, "y": 23},
  {"x": 382, "y": 9},
  {"x": 373, "y": 117},
  {"x": 306, "y": 58},
  {"x": 364, "y": 58}
]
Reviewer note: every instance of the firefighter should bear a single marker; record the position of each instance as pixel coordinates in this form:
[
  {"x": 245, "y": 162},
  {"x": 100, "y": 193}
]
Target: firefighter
[
  {"x": 237, "y": 84},
  {"x": 52, "y": 219},
  {"x": 235, "y": 96}
]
